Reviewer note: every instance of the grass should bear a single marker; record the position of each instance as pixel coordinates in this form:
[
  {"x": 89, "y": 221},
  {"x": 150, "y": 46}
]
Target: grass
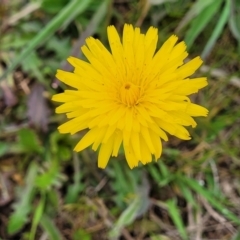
[{"x": 49, "y": 192}]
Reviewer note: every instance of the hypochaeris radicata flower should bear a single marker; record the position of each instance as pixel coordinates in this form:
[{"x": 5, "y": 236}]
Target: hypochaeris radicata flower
[{"x": 130, "y": 96}]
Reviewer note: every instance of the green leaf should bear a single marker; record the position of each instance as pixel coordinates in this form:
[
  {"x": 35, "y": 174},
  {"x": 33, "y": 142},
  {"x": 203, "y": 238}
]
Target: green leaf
[
  {"x": 64, "y": 17},
  {"x": 23, "y": 207},
  {"x": 28, "y": 140},
  {"x": 234, "y": 21},
  {"x": 217, "y": 30},
  {"x": 155, "y": 173},
  {"x": 50, "y": 228},
  {"x": 186, "y": 192},
  {"x": 33, "y": 65},
  {"x": 176, "y": 217},
  {"x": 197, "y": 8},
  {"x": 61, "y": 47},
  {"x": 164, "y": 170},
  {"x": 49, "y": 178},
  {"x": 201, "y": 21},
  {"x": 162, "y": 176},
  {"x": 37, "y": 216}
]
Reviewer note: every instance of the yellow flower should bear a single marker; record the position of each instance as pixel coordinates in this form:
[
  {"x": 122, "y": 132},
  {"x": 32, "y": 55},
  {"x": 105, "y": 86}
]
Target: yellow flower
[{"x": 131, "y": 95}]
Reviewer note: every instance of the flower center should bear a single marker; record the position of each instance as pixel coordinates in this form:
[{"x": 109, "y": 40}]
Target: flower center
[
  {"x": 127, "y": 85},
  {"x": 129, "y": 94}
]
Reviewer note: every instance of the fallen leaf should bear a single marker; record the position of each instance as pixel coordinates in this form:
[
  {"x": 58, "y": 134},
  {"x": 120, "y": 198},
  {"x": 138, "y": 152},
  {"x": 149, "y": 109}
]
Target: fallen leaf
[{"x": 38, "y": 111}]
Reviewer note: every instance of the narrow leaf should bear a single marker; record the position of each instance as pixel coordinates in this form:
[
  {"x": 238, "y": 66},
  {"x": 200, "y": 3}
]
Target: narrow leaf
[
  {"x": 176, "y": 217},
  {"x": 217, "y": 31},
  {"x": 201, "y": 21},
  {"x": 198, "y": 7},
  {"x": 234, "y": 21},
  {"x": 37, "y": 216}
]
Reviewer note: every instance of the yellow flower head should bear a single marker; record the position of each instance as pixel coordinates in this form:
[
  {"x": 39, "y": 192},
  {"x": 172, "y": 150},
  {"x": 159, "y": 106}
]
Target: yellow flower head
[{"x": 131, "y": 95}]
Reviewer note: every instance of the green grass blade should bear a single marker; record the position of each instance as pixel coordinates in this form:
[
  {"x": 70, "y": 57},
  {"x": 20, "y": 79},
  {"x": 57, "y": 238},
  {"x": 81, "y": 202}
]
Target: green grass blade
[
  {"x": 187, "y": 193},
  {"x": 197, "y": 8},
  {"x": 37, "y": 216},
  {"x": 200, "y": 22},
  {"x": 217, "y": 31},
  {"x": 67, "y": 14},
  {"x": 194, "y": 185},
  {"x": 176, "y": 217},
  {"x": 50, "y": 228},
  {"x": 234, "y": 20}
]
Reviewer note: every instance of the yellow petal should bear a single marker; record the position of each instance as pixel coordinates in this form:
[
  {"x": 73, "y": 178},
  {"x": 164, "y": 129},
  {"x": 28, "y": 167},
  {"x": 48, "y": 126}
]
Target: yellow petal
[
  {"x": 129, "y": 119},
  {"x": 128, "y": 37},
  {"x": 76, "y": 113},
  {"x": 70, "y": 79},
  {"x": 117, "y": 142},
  {"x": 183, "y": 118},
  {"x": 144, "y": 113},
  {"x": 150, "y": 43},
  {"x": 97, "y": 64},
  {"x": 72, "y": 125},
  {"x": 145, "y": 152},
  {"x": 156, "y": 129},
  {"x": 160, "y": 58},
  {"x": 117, "y": 115},
  {"x": 182, "y": 133},
  {"x": 115, "y": 45},
  {"x": 87, "y": 140},
  {"x": 191, "y": 86},
  {"x": 66, "y": 107},
  {"x": 126, "y": 137},
  {"x": 178, "y": 50},
  {"x": 135, "y": 142},
  {"x": 78, "y": 63},
  {"x": 166, "y": 126},
  {"x": 145, "y": 134},
  {"x": 189, "y": 68},
  {"x": 110, "y": 131},
  {"x": 196, "y": 110},
  {"x": 130, "y": 156},
  {"x": 105, "y": 153},
  {"x": 156, "y": 143},
  {"x": 64, "y": 97},
  {"x": 99, "y": 138},
  {"x": 136, "y": 124}
]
